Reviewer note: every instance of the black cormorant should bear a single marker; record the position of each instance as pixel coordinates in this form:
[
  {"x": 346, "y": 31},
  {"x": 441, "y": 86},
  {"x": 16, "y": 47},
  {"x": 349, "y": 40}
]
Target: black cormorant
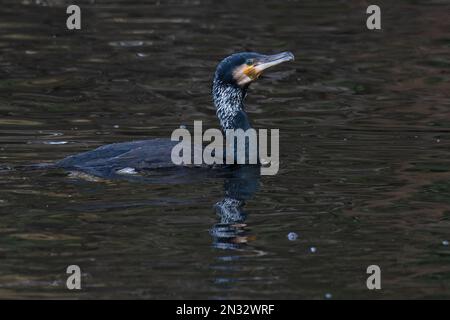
[{"x": 232, "y": 78}]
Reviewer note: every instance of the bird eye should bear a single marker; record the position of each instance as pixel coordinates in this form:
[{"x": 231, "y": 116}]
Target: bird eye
[{"x": 249, "y": 62}]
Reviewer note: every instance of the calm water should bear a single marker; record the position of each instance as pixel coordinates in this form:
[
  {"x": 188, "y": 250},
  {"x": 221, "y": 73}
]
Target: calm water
[{"x": 364, "y": 120}]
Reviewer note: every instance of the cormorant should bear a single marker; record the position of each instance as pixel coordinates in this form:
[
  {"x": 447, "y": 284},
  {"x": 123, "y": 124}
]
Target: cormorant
[{"x": 232, "y": 78}]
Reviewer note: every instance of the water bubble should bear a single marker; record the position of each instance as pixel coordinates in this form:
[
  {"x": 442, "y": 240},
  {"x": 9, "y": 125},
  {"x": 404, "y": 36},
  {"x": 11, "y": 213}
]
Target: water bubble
[
  {"x": 292, "y": 236},
  {"x": 116, "y": 126},
  {"x": 445, "y": 243},
  {"x": 328, "y": 295},
  {"x": 313, "y": 249}
]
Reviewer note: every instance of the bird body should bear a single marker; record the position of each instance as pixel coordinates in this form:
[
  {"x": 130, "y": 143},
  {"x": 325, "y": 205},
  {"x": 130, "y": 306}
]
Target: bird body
[
  {"x": 231, "y": 81},
  {"x": 108, "y": 159}
]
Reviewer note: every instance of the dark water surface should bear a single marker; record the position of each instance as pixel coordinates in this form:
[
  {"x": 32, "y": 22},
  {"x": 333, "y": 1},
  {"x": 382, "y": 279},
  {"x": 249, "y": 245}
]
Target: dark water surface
[{"x": 364, "y": 122}]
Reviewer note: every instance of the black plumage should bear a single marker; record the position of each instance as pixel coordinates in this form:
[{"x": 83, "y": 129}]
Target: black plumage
[{"x": 231, "y": 80}]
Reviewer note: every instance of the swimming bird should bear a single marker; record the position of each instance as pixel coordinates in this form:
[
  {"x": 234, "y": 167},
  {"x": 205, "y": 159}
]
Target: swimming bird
[{"x": 232, "y": 78}]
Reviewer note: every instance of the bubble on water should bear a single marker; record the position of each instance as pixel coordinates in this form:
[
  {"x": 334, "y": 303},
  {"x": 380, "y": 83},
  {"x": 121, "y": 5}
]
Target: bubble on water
[
  {"x": 328, "y": 295},
  {"x": 116, "y": 126},
  {"x": 141, "y": 55},
  {"x": 313, "y": 249},
  {"x": 55, "y": 142},
  {"x": 292, "y": 236},
  {"x": 445, "y": 243}
]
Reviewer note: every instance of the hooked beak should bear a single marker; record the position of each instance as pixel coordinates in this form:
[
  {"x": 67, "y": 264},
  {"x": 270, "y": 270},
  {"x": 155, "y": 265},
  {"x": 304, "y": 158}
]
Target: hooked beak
[
  {"x": 269, "y": 61},
  {"x": 246, "y": 74}
]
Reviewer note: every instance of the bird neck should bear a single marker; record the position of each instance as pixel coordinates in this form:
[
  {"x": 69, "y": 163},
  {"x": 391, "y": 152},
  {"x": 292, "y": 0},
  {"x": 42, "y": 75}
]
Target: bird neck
[{"x": 229, "y": 103}]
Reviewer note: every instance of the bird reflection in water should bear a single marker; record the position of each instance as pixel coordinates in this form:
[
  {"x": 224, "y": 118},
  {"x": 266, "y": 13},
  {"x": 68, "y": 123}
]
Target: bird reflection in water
[{"x": 239, "y": 186}]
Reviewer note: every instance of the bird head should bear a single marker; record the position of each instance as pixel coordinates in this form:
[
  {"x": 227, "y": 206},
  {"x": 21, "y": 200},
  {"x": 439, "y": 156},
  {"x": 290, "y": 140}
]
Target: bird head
[{"x": 241, "y": 69}]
